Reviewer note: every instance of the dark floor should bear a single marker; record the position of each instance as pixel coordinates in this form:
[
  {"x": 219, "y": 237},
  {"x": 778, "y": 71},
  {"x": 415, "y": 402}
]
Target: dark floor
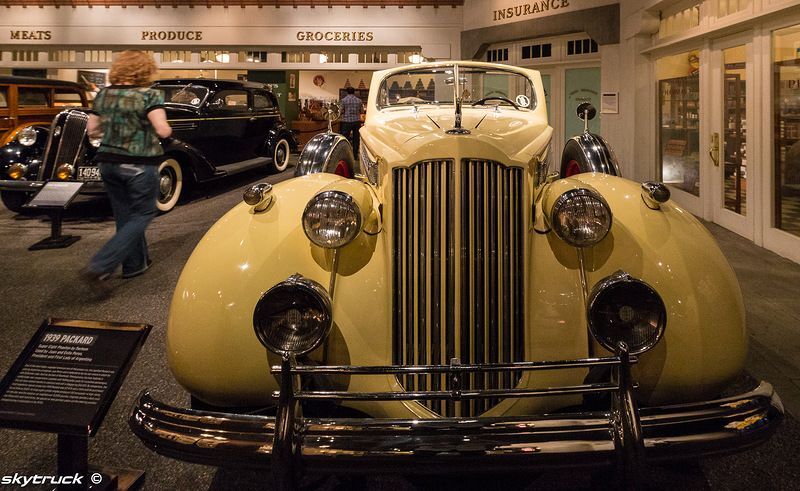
[{"x": 35, "y": 285}]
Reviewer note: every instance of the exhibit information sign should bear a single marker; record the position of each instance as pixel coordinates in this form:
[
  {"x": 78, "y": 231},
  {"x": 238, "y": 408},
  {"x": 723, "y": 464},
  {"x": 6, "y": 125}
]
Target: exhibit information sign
[
  {"x": 55, "y": 194},
  {"x": 67, "y": 376}
]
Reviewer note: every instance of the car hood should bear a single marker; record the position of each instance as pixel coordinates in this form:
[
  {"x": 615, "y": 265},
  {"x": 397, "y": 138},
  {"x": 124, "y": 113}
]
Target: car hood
[{"x": 510, "y": 130}]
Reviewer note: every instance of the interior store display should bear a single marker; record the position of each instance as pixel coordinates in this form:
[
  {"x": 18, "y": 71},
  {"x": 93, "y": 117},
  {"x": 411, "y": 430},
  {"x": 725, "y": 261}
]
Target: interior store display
[
  {"x": 787, "y": 145},
  {"x": 455, "y": 303},
  {"x": 679, "y": 132}
]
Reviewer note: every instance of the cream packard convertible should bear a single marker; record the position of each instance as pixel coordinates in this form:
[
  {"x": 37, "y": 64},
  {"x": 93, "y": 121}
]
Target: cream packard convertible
[{"x": 443, "y": 301}]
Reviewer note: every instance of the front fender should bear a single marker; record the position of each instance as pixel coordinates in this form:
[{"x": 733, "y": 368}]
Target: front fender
[
  {"x": 15, "y": 152},
  {"x": 705, "y": 343},
  {"x": 212, "y": 348}
]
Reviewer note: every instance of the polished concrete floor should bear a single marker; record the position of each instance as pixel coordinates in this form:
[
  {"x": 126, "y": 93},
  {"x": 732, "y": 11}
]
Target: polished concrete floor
[{"x": 35, "y": 285}]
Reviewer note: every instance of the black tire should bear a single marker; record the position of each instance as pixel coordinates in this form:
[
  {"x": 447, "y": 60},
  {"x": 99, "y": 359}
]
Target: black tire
[
  {"x": 280, "y": 156},
  {"x": 170, "y": 184},
  {"x": 14, "y": 200}
]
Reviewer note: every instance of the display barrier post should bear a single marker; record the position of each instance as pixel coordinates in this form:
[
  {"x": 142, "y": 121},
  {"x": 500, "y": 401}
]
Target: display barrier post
[
  {"x": 54, "y": 198},
  {"x": 64, "y": 382}
]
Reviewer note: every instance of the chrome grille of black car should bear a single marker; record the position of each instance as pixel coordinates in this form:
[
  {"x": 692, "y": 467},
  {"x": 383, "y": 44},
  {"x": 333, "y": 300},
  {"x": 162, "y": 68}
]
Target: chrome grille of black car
[
  {"x": 458, "y": 266},
  {"x": 67, "y": 134}
]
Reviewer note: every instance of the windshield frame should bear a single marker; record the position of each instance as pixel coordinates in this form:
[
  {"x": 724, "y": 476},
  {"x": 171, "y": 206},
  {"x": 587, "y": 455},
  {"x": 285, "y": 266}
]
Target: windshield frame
[{"x": 463, "y": 68}]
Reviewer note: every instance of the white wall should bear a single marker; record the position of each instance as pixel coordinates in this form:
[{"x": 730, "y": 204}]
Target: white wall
[{"x": 334, "y": 80}]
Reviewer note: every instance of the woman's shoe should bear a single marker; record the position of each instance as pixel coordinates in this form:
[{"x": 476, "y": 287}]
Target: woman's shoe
[{"x": 137, "y": 273}]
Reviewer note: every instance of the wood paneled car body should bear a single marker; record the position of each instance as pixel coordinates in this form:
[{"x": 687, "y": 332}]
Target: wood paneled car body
[
  {"x": 220, "y": 128},
  {"x": 473, "y": 309}
]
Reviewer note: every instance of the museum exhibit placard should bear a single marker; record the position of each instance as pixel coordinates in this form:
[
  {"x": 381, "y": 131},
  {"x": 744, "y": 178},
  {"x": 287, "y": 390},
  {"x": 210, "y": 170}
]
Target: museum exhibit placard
[{"x": 66, "y": 378}]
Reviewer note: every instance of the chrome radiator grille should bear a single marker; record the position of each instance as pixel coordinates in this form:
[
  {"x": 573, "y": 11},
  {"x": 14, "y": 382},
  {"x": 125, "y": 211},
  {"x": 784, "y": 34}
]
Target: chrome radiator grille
[
  {"x": 458, "y": 266},
  {"x": 65, "y": 143}
]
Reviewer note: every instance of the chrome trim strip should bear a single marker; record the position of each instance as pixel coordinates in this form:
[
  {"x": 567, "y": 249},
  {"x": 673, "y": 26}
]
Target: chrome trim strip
[
  {"x": 421, "y": 270},
  {"x": 437, "y": 445},
  {"x": 442, "y": 395},
  {"x": 221, "y": 118},
  {"x": 409, "y": 253},
  {"x": 397, "y": 283},
  {"x": 436, "y": 278},
  {"x": 450, "y": 265},
  {"x": 403, "y": 369}
]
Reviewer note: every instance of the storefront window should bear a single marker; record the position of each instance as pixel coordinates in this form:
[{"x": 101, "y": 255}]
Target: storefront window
[
  {"x": 786, "y": 59},
  {"x": 679, "y": 121},
  {"x": 581, "y": 85},
  {"x": 735, "y": 131}
]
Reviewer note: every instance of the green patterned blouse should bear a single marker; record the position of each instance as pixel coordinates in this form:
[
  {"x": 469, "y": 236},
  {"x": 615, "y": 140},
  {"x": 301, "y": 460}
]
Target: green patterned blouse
[{"x": 127, "y": 132}]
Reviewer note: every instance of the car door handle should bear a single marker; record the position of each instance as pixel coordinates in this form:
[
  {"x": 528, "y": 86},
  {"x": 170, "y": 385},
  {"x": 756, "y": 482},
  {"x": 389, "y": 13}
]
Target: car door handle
[{"x": 253, "y": 118}]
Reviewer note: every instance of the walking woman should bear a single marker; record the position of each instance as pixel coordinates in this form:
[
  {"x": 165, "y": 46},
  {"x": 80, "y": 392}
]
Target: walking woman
[{"x": 131, "y": 118}]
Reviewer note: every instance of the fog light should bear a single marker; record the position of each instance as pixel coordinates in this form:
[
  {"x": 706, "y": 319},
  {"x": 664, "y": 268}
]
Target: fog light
[
  {"x": 64, "y": 172},
  {"x": 332, "y": 219},
  {"x": 625, "y": 309},
  {"x": 27, "y": 136},
  {"x": 17, "y": 171},
  {"x": 293, "y": 317}
]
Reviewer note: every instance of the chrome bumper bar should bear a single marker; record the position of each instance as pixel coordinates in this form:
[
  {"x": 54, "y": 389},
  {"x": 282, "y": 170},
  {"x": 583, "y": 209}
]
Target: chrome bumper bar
[
  {"x": 32, "y": 186},
  {"x": 9, "y": 185},
  {"x": 624, "y": 437}
]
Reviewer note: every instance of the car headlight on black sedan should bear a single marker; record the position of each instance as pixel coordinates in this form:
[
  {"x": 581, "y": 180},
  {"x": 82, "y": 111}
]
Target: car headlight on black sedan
[
  {"x": 332, "y": 219},
  {"x": 293, "y": 317},
  {"x": 581, "y": 217},
  {"x": 624, "y": 309},
  {"x": 27, "y": 136}
]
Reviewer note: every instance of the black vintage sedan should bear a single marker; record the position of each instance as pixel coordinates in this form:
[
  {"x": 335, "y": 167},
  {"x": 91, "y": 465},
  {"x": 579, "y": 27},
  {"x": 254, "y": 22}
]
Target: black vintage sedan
[{"x": 220, "y": 128}]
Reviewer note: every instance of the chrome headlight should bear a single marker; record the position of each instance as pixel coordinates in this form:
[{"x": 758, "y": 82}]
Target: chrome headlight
[
  {"x": 581, "y": 217},
  {"x": 17, "y": 171},
  {"x": 96, "y": 141},
  {"x": 332, "y": 219},
  {"x": 64, "y": 172},
  {"x": 628, "y": 310},
  {"x": 293, "y": 317},
  {"x": 27, "y": 136}
]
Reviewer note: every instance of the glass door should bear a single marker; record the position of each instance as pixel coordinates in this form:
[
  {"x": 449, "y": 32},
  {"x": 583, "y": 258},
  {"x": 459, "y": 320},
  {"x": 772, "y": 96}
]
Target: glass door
[{"x": 730, "y": 141}]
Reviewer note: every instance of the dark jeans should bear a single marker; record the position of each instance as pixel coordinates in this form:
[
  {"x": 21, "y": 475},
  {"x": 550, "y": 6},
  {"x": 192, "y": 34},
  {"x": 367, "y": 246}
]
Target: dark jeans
[
  {"x": 350, "y": 131},
  {"x": 133, "y": 190}
]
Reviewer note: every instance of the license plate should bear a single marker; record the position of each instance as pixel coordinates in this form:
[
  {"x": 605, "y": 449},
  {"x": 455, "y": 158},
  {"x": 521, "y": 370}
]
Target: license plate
[{"x": 88, "y": 173}]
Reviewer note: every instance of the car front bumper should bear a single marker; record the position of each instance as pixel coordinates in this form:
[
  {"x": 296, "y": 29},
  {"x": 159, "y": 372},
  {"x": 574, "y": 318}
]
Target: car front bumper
[
  {"x": 625, "y": 436},
  {"x": 89, "y": 187}
]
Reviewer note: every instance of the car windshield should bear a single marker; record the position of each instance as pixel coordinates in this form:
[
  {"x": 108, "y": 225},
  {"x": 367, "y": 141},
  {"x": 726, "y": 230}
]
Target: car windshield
[
  {"x": 477, "y": 85},
  {"x": 189, "y": 95}
]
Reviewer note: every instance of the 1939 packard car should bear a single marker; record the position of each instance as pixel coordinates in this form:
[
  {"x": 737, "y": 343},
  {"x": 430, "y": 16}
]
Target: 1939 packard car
[
  {"x": 454, "y": 305},
  {"x": 220, "y": 128}
]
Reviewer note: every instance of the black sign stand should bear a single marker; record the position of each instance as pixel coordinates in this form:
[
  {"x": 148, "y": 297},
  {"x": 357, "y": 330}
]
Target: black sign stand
[
  {"x": 54, "y": 198},
  {"x": 64, "y": 382}
]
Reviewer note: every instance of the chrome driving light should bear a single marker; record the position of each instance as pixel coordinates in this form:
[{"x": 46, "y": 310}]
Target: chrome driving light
[
  {"x": 17, "y": 170},
  {"x": 27, "y": 136},
  {"x": 64, "y": 172},
  {"x": 581, "y": 217},
  {"x": 259, "y": 196},
  {"x": 293, "y": 317},
  {"x": 95, "y": 141},
  {"x": 332, "y": 219},
  {"x": 623, "y": 309}
]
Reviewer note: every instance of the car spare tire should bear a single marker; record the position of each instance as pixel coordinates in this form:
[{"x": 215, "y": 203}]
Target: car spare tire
[{"x": 588, "y": 153}]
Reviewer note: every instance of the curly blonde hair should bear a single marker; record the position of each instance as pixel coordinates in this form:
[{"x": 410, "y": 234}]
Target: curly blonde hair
[{"x": 132, "y": 67}]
